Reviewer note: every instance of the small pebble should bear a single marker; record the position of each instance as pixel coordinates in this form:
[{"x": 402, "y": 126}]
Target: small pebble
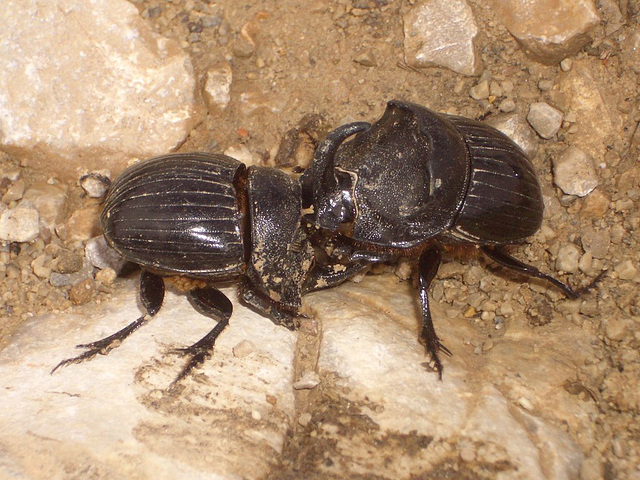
[
  {"x": 487, "y": 345},
  {"x": 38, "y": 267},
  {"x": 255, "y": 414},
  {"x": 568, "y": 258},
  {"x": 616, "y": 329},
  {"x": 102, "y": 256},
  {"x": 82, "y": 292},
  {"x": 480, "y": 91},
  {"x": 467, "y": 452},
  {"x": 308, "y": 381},
  {"x": 507, "y": 105},
  {"x": 566, "y": 64},
  {"x": 14, "y": 192},
  {"x": 545, "y": 85},
  {"x": 243, "y": 349},
  {"x": 366, "y": 59},
  {"x": 67, "y": 262},
  {"x": 21, "y": 224},
  {"x": 106, "y": 276},
  {"x": 574, "y": 172},
  {"x": 545, "y": 119},
  {"x": 304, "y": 419},
  {"x": 96, "y": 184},
  {"x": 525, "y": 403},
  {"x": 626, "y": 270}
]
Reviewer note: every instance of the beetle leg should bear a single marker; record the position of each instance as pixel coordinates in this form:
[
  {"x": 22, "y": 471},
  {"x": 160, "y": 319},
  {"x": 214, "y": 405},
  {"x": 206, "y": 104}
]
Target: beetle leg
[
  {"x": 509, "y": 262},
  {"x": 277, "y": 312},
  {"x": 213, "y": 303},
  {"x": 427, "y": 268},
  {"x": 327, "y": 276},
  {"x": 151, "y": 296}
]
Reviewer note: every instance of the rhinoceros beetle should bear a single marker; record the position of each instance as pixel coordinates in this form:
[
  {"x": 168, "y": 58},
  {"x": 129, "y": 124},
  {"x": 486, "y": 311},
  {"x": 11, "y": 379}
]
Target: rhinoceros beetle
[
  {"x": 412, "y": 184},
  {"x": 416, "y": 183}
]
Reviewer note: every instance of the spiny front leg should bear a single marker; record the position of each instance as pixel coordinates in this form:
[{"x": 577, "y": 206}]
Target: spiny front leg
[
  {"x": 151, "y": 295},
  {"x": 427, "y": 268},
  {"x": 213, "y": 303}
]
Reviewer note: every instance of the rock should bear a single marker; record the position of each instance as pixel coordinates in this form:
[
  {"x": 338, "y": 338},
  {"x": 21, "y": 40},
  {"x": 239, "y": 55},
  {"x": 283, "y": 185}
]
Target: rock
[
  {"x": 631, "y": 49},
  {"x": 548, "y": 30},
  {"x": 20, "y": 224},
  {"x": 568, "y": 258},
  {"x": 480, "y": 91},
  {"x": 242, "y": 153},
  {"x": 442, "y": 33},
  {"x": 14, "y": 192},
  {"x": 366, "y": 59},
  {"x": 84, "y": 223},
  {"x": 582, "y": 93},
  {"x": 616, "y": 328},
  {"x": 515, "y": 126},
  {"x": 96, "y": 184},
  {"x": 254, "y": 100},
  {"x": 596, "y": 204},
  {"x": 67, "y": 262},
  {"x": 369, "y": 348},
  {"x": 102, "y": 256},
  {"x": 596, "y": 242},
  {"x": 118, "y": 409},
  {"x": 49, "y": 200},
  {"x": 574, "y": 172},
  {"x": 626, "y": 270},
  {"x": 217, "y": 87},
  {"x": 308, "y": 381},
  {"x": 82, "y": 292},
  {"x": 545, "y": 119},
  {"x": 87, "y": 85},
  {"x": 243, "y": 349}
]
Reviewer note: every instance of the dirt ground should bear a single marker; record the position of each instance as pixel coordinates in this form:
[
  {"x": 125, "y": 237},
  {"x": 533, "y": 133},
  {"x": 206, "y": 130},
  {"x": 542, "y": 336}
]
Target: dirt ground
[{"x": 294, "y": 59}]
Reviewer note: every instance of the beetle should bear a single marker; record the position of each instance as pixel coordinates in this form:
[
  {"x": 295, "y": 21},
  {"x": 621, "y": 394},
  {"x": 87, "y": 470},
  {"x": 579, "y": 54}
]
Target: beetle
[
  {"x": 416, "y": 183},
  {"x": 208, "y": 217}
]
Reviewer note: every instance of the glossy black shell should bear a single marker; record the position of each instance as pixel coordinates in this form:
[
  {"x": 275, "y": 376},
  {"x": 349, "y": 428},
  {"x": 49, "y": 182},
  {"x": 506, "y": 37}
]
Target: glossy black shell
[
  {"x": 178, "y": 213},
  {"x": 416, "y": 174}
]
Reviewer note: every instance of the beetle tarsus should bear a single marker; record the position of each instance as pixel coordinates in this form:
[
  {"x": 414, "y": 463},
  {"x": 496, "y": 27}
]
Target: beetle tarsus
[
  {"x": 213, "y": 303},
  {"x": 151, "y": 296},
  {"x": 507, "y": 261}
]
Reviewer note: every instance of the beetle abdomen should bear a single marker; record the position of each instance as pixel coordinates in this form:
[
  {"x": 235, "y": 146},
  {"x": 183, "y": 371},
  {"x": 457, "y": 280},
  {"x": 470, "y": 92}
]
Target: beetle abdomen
[
  {"x": 504, "y": 201},
  {"x": 178, "y": 214}
]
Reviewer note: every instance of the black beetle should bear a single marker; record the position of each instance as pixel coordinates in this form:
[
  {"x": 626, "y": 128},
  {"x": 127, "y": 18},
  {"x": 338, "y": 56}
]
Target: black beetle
[
  {"x": 415, "y": 183},
  {"x": 208, "y": 216}
]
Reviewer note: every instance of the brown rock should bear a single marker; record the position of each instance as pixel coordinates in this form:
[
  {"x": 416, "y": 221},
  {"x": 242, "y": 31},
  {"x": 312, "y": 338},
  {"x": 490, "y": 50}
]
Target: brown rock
[{"x": 548, "y": 30}]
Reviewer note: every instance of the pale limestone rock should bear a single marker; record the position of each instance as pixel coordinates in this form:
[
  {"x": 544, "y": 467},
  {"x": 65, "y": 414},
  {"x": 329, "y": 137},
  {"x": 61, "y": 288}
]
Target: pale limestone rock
[
  {"x": 515, "y": 126},
  {"x": 441, "y": 33},
  {"x": 545, "y": 119},
  {"x": 582, "y": 93},
  {"x": 50, "y": 201},
  {"x": 115, "y": 415},
  {"x": 369, "y": 344},
  {"x": 574, "y": 172},
  {"x": 87, "y": 85},
  {"x": 548, "y": 30},
  {"x": 217, "y": 87},
  {"x": 21, "y": 224}
]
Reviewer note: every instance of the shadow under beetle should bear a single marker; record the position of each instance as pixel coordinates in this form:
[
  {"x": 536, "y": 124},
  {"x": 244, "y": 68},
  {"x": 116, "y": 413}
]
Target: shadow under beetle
[{"x": 409, "y": 185}]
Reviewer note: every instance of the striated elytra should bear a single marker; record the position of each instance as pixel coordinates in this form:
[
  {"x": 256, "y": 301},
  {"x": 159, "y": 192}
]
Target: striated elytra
[{"x": 413, "y": 184}]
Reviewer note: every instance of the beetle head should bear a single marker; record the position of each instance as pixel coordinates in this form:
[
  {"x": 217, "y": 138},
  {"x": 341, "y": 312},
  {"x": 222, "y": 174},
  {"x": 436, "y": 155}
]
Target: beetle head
[{"x": 396, "y": 183}]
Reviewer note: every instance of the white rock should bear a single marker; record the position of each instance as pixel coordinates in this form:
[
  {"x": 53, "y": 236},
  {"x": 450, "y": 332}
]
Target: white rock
[
  {"x": 96, "y": 184},
  {"x": 21, "y": 224},
  {"x": 568, "y": 258},
  {"x": 548, "y": 30},
  {"x": 217, "y": 87},
  {"x": 626, "y": 270},
  {"x": 115, "y": 412},
  {"x": 574, "y": 172},
  {"x": 442, "y": 33},
  {"x": 102, "y": 256},
  {"x": 49, "y": 200},
  {"x": 515, "y": 126},
  {"x": 369, "y": 344},
  {"x": 545, "y": 119},
  {"x": 90, "y": 80}
]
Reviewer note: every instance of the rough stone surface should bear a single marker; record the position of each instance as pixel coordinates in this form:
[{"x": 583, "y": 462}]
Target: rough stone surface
[
  {"x": 580, "y": 94},
  {"x": 116, "y": 416},
  {"x": 102, "y": 256},
  {"x": 89, "y": 81},
  {"x": 217, "y": 87},
  {"x": 49, "y": 200},
  {"x": 574, "y": 172},
  {"x": 515, "y": 126},
  {"x": 21, "y": 224},
  {"x": 441, "y": 32},
  {"x": 548, "y": 30},
  {"x": 545, "y": 119}
]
